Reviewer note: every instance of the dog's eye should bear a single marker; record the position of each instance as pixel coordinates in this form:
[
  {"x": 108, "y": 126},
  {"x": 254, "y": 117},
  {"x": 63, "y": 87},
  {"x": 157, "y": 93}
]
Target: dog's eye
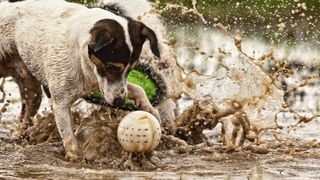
[
  {"x": 113, "y": 51},
  {"x": 111, "y": 68}
]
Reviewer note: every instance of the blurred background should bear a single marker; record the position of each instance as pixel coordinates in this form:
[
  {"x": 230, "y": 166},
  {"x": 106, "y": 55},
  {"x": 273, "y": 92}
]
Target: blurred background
[
  {"x": 289, "y": 21},
  {"x": 278, "y": 20}
]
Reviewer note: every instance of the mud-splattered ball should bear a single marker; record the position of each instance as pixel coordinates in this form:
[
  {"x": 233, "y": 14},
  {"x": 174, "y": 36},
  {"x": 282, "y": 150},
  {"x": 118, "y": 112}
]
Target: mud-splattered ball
[{"x": 139, "y": 131}]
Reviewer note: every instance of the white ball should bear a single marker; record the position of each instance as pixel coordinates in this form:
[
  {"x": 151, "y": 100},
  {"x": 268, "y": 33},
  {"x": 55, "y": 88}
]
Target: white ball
[{"x": 139, "y": 131}]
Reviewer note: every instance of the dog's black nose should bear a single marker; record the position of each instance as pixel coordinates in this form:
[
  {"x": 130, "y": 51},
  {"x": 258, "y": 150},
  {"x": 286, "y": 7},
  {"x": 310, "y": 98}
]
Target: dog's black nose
[{"x": 118, "y": 102}]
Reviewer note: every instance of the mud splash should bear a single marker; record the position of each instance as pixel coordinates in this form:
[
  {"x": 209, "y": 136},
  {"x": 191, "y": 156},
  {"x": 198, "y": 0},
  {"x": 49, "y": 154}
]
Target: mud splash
[
  {"x": 220, "y": 134},
  {"x": 268, "y": 160},
  {"x": 230, "y": 113}
]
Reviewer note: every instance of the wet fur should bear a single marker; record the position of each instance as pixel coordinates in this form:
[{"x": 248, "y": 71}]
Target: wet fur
[{"x": 39, "y": 44}]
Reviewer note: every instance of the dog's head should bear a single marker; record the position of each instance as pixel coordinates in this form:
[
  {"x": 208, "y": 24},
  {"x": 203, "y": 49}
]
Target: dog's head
[{"x": 114, "y": 50}]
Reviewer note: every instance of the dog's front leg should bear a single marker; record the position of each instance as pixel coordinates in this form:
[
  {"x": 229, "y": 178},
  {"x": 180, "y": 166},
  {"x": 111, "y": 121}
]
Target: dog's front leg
[
  {"x": 63, "y": 120},
  {"x": 137, "y": 94}
]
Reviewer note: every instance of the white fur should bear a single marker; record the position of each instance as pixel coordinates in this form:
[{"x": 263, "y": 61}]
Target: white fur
[
  {"x": 51, "y": 37},
  {"x": 48, "y": 32}
]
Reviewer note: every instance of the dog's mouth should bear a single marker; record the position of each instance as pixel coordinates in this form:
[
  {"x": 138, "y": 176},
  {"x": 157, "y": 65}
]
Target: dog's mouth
[
  {"x": 110, "y": 91},
  {"x": 118, "y": 102},
  {"x": 97, "y": 97},
  {"x": 114, "y": 98},
  {"x": 144, "y": 76},
  {"x": 109, "y": 97}
]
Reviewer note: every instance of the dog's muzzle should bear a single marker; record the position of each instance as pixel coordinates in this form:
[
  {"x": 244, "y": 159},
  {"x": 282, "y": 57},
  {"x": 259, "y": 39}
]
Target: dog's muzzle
[
  {"x": 112, "y": 91},
  {"x": 113, "y": 97},
  {"x": 119, "y": 98},
  {"x": 120, "y": 93}
]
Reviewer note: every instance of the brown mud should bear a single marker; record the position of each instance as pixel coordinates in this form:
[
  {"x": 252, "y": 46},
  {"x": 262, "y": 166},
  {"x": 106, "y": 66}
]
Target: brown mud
[
  {"x": 46, "y": 161},
  {"x": 214, "y": 137},
  {"x": 42, "y": 156},
  {"x": 239, "y": 125}
]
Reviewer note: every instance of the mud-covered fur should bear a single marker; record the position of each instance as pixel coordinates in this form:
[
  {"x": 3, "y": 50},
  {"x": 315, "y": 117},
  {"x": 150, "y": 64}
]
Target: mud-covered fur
[{"x": 71, "y": 50}]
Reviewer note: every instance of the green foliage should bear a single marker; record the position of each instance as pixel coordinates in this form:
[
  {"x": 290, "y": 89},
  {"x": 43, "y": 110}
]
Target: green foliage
[
  {"x": 261, "y": 10},
  {"x": 272, "y": 19}
]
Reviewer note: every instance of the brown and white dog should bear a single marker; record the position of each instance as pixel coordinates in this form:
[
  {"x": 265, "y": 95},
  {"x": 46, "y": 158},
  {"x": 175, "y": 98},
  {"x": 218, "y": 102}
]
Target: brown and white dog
[
  {"x": 72, "y": 50},
  {"x": 171, "y": 74}
]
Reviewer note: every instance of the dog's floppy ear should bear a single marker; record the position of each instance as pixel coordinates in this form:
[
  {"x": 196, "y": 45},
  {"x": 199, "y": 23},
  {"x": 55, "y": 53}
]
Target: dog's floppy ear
[
  {"x": 151, "y": 36},
  {"x": 100, "y": 39}
]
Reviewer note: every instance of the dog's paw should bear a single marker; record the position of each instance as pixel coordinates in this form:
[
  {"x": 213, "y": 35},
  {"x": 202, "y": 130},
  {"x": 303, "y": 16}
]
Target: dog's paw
[
  {"x": 74, "y": 156},
  {"x": 145, "y": 105},
  {"x": 153, "y": 111},
  {"x": 73, "y": 152}
]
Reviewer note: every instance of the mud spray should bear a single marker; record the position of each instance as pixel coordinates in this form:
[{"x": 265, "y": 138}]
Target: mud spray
[{"x": 234, "y": 108}]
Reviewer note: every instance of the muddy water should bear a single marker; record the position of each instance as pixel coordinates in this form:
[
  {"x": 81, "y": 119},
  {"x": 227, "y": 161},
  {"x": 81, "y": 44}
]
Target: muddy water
[
  {"x": 46, "y": 161},
  {"x": 285, "y": 143}
]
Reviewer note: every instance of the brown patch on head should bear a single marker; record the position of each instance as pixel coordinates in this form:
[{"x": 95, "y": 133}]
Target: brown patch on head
[
  {"x": 108, "y": 49},
  {"x": 112, "y": 71},
  {"x": 138, "y": 34}
]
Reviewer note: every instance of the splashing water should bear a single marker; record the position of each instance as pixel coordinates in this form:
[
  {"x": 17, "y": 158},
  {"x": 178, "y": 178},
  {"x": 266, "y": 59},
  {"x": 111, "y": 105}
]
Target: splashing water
[
  {"x": 259, "y": 75},
  {"x": 268, "y": 92},
  {"x": 239, "y": 71}
]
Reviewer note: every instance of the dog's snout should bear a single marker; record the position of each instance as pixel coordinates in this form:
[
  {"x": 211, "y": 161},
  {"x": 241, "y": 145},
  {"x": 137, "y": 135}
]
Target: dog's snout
[
  {"x": 119, "y": 97},
  {"x": 122, "y": 93}
]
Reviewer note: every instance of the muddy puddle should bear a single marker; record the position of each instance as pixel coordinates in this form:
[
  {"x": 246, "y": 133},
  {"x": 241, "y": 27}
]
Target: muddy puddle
[
  {"x": 239, "y": 109},
  {"x": 243, "y": 131},
  {"x": 43, "y": 161}
]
